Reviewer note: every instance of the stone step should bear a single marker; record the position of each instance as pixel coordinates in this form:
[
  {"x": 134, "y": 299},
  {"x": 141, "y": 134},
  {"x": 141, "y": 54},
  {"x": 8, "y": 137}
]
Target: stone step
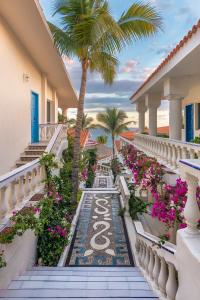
[
  {"x": 61, "y": 298},
  {"x": 81, "y": 273},
  {"x": 20, "y": 163},
  {"x": 77, "y": 285},
  {"x": 72, "y": 278},
  {"x": 38, "y": 152},
  {"x": 76, "y": 293},
  {"x": 92, "y": 269},
  {"x": 39, "y": 146},
  {"x": 28, "y": 158}
]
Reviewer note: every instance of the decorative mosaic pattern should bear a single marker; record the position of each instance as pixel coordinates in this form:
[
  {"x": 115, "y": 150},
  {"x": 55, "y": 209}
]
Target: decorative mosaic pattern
[
  {"x": 100, "y": 236},
  {"x": 103, "y": 182}
]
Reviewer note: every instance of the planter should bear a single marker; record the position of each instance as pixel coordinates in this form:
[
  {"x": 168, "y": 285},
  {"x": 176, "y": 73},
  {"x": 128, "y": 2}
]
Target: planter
[{"x": 19, "y": 255}]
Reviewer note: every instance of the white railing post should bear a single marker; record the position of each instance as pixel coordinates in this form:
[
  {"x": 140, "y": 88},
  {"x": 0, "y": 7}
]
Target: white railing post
[
  {"x": 191, "y": 211},
  {"x": 172, "y": 284}
]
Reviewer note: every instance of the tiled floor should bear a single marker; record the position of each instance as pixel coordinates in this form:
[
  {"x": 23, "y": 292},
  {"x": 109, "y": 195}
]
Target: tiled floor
[{"x": 100, "y": 236}]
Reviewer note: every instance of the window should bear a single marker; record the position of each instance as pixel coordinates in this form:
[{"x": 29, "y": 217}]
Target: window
[{"x": 48, "y": 111}]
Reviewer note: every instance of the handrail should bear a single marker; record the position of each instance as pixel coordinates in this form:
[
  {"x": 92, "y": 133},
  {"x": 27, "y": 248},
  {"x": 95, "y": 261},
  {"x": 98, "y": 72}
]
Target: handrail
[
  {"x": 19, "y": 185},
  {"x": 23, "y": 169},
  {"x": 169, "y": 152},
  {"x": 154, "y": 239}
]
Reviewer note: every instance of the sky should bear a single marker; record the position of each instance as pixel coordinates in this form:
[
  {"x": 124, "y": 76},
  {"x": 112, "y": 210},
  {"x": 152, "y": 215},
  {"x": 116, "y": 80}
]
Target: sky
[{"x": 137, "y": 61}]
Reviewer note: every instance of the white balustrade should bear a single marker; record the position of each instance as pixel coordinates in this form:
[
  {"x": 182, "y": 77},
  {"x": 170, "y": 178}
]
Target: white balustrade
[
  {"x": 167, "y": 151},
  {"x": 47, "y": 131},
  {"x": 158, "y": 265},
  {"x": 157, "y": 262},
  {"x": 125, "y": 193},
  {"x": 19, "y": 185},
  {"x": 190, "y": 171}
]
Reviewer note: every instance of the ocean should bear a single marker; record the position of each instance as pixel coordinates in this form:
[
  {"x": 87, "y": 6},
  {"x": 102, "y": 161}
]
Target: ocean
[{"x": 99, "y": 131}]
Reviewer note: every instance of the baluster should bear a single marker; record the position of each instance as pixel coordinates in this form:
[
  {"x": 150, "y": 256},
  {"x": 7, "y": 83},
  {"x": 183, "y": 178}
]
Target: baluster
[
  {"x": 28, "y": 184},
  {"x": 156, "y": 269},
  {"x": 3, "y": 202},
  {"x": 191, "y": 154},
  {"x": 191, "y": 211},
  {"x": 151, "y": 263},
  {"x": 184, "y": 153},
  {"x": 162, "y": 279},
  {"x": 12, "y": 196},
  {"x": 174, "y": 157},
  {"x": 169, "y": 158},
  {"x": 33, "y": 180},
  {"x": 146, "y": 260},
  {"x": 20, "y": 191},
  {"x": 179, "y": 155},
  {"x": 142, "y": 255},
  {"x": 171, "y": 285}
]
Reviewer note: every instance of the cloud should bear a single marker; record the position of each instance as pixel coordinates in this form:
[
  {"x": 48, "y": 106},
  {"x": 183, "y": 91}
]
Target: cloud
[{"x": 129, "y": 66}]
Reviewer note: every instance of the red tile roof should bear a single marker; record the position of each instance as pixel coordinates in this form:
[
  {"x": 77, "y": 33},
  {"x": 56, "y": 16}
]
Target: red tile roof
[
  {"x": 84, "y": 135},
  {"x": 161, "y": 130},
  {"x": 164, "y": 129},
  {"x": 186, "y": 38},
  {"x": 129, "y": 135}
]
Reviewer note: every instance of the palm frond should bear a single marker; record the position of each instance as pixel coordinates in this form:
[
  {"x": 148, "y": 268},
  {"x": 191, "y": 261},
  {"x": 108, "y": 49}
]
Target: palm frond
[
  {"x": 140, "y": 20},
  {"x": 105, "y": 64},
  {"x": 62, "y": 41}
]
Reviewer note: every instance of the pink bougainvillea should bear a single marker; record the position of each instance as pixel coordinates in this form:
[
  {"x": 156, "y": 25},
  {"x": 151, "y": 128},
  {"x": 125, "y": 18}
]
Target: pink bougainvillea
[{"x": 168, "y": 200}]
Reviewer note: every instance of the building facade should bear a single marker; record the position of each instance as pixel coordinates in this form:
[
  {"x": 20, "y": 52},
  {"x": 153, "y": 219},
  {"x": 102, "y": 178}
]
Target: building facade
[
  {"x": 176, "y": 79},
  {"x": 34, "y": 81}
]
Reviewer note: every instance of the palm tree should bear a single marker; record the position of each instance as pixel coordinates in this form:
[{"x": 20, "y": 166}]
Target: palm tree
[
  {"x": 112, "y": 121},
  {"x": 87, "y": 122},
  {"x": 102, "y": 139},
  {"x": 89, "y": 32}
]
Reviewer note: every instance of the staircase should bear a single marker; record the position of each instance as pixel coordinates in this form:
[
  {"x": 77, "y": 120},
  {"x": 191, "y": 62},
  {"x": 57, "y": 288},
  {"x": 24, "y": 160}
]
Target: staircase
[
  {"x": 79, "y": 283},
  {"x": 31, "y": 153}
]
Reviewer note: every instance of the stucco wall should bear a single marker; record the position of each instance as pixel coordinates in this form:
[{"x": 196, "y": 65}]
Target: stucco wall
[{"x": 15, "y": 97}]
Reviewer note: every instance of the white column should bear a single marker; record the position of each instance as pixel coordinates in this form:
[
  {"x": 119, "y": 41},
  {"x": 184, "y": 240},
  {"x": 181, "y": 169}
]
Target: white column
[
  {"x": 64, "y": 111},
  {"x": 141, "y": 109},
  {"x": 153, "y": 102},
  {"x": 153, "y": 121},
  {"x": 141, "y": 121},
  {"x": 175, "y": 119}
]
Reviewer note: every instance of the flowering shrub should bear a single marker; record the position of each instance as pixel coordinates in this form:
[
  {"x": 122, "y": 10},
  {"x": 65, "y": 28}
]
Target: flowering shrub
[
  {"x": 169, "y": 206},
  {"x": 20, "y": 222},
  {"x": 168, "y": 201}
]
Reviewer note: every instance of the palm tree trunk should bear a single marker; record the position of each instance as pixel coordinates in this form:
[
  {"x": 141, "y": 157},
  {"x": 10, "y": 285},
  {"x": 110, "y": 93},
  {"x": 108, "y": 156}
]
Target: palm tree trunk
[
  {"x": 77, "y": 148},
  {"x": 113, "y": 145}
]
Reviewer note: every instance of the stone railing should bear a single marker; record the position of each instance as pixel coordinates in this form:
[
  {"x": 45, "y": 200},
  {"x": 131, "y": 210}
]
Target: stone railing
[
  {"x": 166, "y": 151},
  {"x": 190, "y": 171},
  {"x": 158, "y": 263},
  {"x": 122, "y": 187},
  {"x": 19, "y": 185},
  {"x": 46, "y": 131}
]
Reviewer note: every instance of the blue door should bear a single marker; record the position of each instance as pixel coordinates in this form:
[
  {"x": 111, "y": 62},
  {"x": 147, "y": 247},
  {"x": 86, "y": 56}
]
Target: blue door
[
  {"x": 34, "y": 118},
  {"x": 189, "y": 118}
]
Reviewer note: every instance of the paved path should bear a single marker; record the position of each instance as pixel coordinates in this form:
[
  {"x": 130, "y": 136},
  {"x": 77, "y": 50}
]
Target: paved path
[{"x": 100, "y": 236}]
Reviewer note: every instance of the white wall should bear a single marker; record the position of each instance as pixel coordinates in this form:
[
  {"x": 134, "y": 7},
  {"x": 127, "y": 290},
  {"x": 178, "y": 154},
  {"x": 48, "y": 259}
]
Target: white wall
[{"x": 15, "y": 97}]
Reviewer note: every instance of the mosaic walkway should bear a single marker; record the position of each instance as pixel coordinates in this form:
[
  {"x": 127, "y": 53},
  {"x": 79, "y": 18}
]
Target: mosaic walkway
[{"x": 100, "y": 238}]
